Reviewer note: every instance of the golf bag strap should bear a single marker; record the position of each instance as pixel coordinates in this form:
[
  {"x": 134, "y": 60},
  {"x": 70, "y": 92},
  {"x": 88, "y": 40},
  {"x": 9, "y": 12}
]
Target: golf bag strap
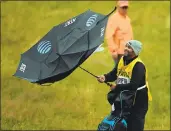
[
  {"x": 113, "y": 107},
  {"x": 139, "y": 88},
  {"x": 142, "y": 87}
]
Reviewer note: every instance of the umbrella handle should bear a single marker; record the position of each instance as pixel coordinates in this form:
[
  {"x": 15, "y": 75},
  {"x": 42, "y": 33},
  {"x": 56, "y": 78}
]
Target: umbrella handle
[{"x": 94, "y": 76}]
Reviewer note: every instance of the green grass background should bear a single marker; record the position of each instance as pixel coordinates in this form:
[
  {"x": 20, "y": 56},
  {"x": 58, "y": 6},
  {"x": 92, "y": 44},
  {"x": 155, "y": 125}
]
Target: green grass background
[{"x": 79, "y": 101}]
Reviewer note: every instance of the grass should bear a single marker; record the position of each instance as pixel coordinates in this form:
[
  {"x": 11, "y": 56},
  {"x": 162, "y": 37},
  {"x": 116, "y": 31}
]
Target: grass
[{"x": 79, "y": 101}]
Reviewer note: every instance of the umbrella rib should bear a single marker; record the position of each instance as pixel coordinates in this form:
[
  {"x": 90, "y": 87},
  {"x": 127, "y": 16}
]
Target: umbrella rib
[
  {"x": 63, "y": 37},
  {"x": 88, "y": 34},
  {"x": 70, "y": 18},
  {"x": 65, "y": 63},
  {"x": 40, "y": 72},
  {"x": 73, "y": 53},
  {"x": 82, "y": 35},
  {"x": 76, "y": 39},
  {"x": 45, "y": 64},
  {"x": 88, "y": 39},
  {"x": 55, "y": 67}
]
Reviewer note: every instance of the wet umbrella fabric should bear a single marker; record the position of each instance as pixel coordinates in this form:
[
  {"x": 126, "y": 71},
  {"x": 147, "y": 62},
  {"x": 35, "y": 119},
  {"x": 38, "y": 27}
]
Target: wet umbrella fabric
[{"x": 63, "y": 49}]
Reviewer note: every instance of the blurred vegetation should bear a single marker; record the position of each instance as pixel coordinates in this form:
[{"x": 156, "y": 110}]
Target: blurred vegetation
[{"x": 79, "y": 101}]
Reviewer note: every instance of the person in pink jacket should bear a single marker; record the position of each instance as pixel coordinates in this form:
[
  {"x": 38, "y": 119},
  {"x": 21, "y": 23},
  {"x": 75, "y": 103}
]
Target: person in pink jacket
[{"x": 118, "y": 30}]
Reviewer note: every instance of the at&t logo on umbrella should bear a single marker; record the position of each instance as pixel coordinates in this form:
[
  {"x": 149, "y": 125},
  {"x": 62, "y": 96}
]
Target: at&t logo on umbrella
[
  {"x": 91, "y": 20},
  {"x": 44, "y": 47}
]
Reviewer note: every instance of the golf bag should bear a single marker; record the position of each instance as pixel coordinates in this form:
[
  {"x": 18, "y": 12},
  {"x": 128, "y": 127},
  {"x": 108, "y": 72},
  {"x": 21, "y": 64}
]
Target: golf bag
[{"x": 121, "y": 106}]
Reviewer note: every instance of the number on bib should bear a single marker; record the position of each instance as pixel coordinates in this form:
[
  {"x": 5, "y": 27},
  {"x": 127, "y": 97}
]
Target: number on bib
[{"x": 122, "y": 80}]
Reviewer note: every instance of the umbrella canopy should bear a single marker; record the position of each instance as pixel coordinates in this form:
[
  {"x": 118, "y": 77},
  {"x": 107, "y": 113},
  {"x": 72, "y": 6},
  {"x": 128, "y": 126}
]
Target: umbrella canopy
[{"x": 63, "y": 48}]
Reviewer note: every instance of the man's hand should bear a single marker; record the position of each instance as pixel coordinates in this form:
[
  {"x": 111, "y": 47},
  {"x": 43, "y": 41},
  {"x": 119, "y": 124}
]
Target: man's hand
[
  {"x": 112, "y": 87},
  {"x": 101, "y": 78}
]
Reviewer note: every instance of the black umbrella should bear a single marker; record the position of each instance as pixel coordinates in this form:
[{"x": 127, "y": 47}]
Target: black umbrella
[{"x": 63, "y": 48}]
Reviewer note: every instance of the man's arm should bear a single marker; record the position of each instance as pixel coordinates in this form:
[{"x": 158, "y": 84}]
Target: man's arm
[
  {"x": 137, "y": 75},
  {"x": 111, "y": 76}
]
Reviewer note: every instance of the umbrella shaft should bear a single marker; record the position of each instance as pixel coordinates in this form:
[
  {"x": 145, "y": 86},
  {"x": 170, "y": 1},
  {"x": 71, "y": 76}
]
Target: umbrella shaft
[
  {"x": 88, "y": 72},
  {"x": 94, "y": 75}
]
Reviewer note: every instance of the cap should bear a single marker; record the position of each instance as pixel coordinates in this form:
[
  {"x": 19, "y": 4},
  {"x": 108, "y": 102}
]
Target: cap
[
  {"x": 122, "y": 3},
  {"x": 136, "y": 46}
]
